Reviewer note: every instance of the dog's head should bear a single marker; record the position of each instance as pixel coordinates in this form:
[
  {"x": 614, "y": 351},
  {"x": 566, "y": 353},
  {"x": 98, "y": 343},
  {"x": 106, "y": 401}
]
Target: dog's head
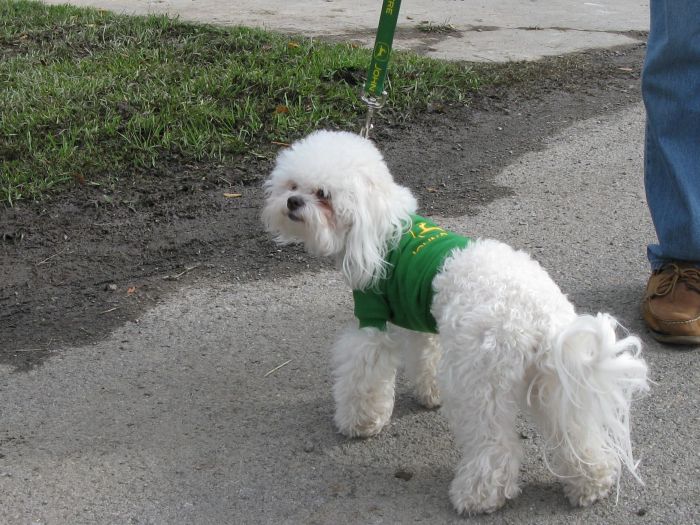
[{"x": 333, "y": 192}]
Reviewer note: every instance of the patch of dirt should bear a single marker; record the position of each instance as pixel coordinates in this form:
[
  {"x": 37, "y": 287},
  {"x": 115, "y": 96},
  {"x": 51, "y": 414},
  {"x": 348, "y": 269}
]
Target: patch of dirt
[{"x": 79, "y": 264}]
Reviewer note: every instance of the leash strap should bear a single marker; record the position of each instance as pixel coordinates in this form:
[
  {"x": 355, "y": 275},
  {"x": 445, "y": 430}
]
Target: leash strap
[{"x": 373, "y": 93}]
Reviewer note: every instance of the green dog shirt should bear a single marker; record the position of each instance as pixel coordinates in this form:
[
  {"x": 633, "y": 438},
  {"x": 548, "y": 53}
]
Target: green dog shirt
[{"x": 405, "y": 295}]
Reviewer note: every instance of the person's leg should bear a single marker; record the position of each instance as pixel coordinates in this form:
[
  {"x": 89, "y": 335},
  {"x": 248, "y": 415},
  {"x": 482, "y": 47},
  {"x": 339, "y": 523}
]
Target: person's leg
[{"x": 671, "y": 90}]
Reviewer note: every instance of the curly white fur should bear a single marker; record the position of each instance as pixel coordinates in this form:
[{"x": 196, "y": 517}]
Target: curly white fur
[
  {"x": 508, "y": 338},
  {"x": 368, "y": 207},
  {"x": 509, "y": 333},
  {"x": 364, "y": 369},
  {"x": 421, "y": 354}
]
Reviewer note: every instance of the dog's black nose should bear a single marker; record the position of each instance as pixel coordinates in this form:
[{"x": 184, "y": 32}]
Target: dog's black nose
[{"x": 294, "y": 202}]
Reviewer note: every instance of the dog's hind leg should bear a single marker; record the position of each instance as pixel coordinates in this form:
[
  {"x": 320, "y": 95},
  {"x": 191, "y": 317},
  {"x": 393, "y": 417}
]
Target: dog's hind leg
[
  {"x": 422, "y": 353},
  {"x": 480, "y": 382},
  {"x": 364, "y": 369},
  {"x": 581, "y": 394},
  {"x": 587, "y": 476}
]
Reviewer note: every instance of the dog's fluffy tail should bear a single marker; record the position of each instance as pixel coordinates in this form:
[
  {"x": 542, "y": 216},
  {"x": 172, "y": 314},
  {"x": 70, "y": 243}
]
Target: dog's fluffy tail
[{"x": 584, "y": 386}]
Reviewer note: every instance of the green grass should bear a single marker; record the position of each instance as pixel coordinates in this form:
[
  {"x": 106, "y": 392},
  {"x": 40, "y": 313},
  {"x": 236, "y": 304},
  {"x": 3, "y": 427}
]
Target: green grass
[
  {"x": 87, "y": 95},
  {"x": 427, "y": 26}
]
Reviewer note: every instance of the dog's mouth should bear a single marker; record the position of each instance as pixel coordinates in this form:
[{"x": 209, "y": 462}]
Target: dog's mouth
[{"x": 294, "y": 217}]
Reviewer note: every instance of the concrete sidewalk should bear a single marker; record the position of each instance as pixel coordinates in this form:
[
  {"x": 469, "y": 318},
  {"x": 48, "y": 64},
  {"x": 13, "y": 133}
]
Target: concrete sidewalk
[
  {"x": 177, "y": 419},
  {"x": 484, "y": 30}
]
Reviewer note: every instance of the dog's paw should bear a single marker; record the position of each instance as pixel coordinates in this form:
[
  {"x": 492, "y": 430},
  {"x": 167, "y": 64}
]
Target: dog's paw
[
  {"x": 585, "y": 491},
  {"x": 429, "y": 396},
  {"x": 585, "y": 494},
  {"x": 363, "y": 417},
  {"x": 360, "y": 427},
  {"x": 483, "y": 494},
  {"x": 478, "y": 502}
]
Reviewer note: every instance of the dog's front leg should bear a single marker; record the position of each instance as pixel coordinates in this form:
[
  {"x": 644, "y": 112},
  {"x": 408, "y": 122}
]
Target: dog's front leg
[
  {"x": 422, "y": 356},
  {"x": 364, "y": 372}
]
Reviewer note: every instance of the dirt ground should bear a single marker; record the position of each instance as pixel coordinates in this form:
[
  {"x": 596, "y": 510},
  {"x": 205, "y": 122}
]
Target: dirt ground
[{"x": 76, "y": 265}]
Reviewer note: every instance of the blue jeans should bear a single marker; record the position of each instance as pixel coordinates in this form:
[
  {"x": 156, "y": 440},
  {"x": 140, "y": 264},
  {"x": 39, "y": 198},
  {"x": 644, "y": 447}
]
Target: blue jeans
[{"x": 671, "y": 91}]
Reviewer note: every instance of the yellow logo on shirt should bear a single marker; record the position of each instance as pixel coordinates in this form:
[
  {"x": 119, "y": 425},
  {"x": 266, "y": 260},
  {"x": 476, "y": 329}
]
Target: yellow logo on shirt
[{"x": 429, "y": 233}]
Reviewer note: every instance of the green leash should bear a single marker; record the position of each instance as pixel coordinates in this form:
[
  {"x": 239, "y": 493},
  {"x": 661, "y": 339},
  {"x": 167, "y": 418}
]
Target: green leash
[{"x": 373, "y": 93}]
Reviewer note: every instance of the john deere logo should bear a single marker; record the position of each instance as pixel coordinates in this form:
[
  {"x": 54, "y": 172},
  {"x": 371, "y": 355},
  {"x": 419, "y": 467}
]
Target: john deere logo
[{"x": 381, "y": 52}]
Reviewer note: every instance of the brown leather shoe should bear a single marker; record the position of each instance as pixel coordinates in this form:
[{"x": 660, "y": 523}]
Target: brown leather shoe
[{"x": 671, "y": 306}]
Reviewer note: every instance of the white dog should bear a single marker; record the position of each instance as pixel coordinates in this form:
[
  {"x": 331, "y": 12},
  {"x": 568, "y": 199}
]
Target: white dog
[{"x": 492, "y": 331}]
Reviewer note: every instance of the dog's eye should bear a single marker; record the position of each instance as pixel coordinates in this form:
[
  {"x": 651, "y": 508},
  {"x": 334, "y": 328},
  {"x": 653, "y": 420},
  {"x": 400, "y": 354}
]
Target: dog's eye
[
  {"x": 322, "y": 195},
  {"x": 292, "y": 186}
]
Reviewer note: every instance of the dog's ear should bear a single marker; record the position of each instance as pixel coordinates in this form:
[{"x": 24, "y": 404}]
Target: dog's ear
[{"x": 378, "y": 220}]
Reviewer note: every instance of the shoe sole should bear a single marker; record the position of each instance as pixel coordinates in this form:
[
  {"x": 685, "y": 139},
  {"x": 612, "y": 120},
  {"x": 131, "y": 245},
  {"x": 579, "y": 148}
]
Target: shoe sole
[{"x": 676, "y": 339}]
